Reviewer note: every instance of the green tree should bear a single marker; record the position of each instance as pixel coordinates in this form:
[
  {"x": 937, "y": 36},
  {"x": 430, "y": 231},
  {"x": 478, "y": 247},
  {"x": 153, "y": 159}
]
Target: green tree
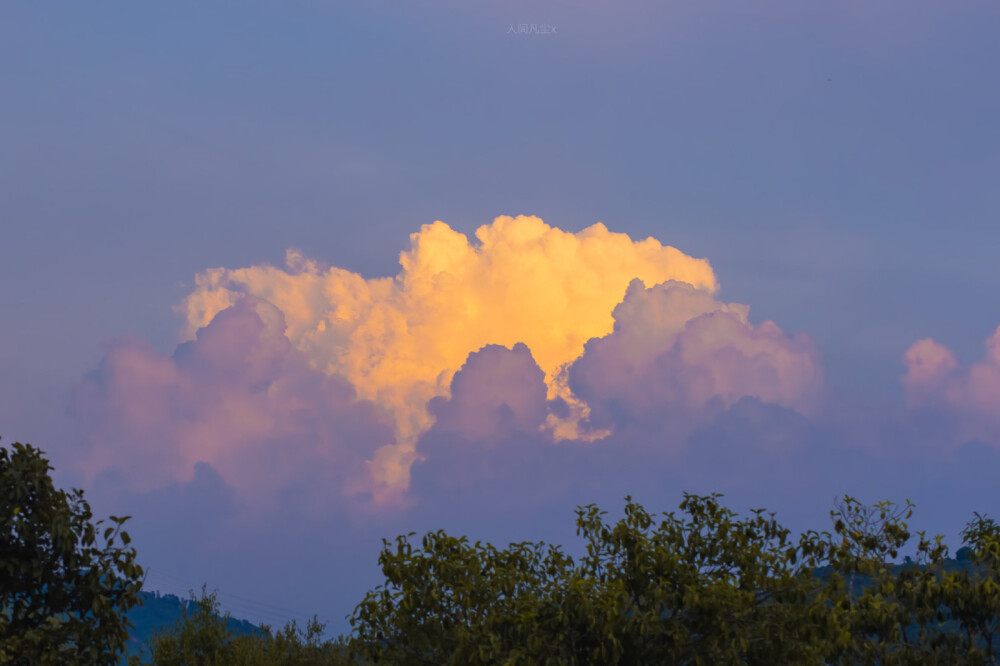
[
  {"x": 199, "y": 638},
  {"x": 462, "y": 603},
  {"x": 66, "y": 583},
  {"x": 705, "y": 588},
  {"x": 892, "y": 612},
  {"x": 970, "y": 595},
  {"x": 203, "y": 637},
  {"x": 701, "y": 587}
]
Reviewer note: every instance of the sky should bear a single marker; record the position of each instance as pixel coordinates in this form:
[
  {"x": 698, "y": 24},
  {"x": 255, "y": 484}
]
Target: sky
[{"x": 280, "y": 280}]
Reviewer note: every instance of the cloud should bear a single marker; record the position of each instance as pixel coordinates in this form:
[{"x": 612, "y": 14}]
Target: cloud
[
  {"x": 677, "y": 363},
  {"x": 489, "y": 439},
  {"x": 399, "y": 340},
  {"x": 238, "y": 397},
  {"x": 477, "y": 356},
  {"x": 677, "y": 356},
  {"x": 499, "y": 392},
  {"x": 936, "y": 383}
]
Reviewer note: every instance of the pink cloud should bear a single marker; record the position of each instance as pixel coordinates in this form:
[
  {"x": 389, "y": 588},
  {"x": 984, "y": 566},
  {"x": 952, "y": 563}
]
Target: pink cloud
[
  {"x": 676, "y": 355},
  {"x": 488, "y": 439},
  {"x": 240, "y": 398},
  {"x": 936, "y": 382},
  {"x": 497, "y": 392}
]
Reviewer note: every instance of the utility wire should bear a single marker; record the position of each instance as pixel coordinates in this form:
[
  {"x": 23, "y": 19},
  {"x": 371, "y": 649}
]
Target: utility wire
[{"x": 274, "y": 615}]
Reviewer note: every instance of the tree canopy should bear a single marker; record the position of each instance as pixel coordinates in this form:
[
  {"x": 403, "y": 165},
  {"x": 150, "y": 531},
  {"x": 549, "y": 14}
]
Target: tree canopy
[
  {"x": 702, "y": 587},
  {"x": 66, "y": 582}
]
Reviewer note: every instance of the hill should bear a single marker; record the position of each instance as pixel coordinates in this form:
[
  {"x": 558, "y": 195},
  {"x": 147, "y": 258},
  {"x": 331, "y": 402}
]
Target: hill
[{"x": 161, "y": 612}]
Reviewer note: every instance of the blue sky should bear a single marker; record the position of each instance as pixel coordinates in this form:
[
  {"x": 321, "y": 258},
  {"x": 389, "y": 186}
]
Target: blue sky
[{"x": 835, "y": 162}]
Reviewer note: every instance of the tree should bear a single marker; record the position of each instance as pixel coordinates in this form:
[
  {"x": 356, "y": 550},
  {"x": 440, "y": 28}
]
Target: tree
[
  {"x": 703, "y": 587},
  {"x": 971, "y": 594},
  {"x": 892, "y": 612},
  {"x": 455, "y": 602},
  {"x": 203, "y": 637},
  {"x": 66, "y": 583},
  {"x": 708, "y": 588}
]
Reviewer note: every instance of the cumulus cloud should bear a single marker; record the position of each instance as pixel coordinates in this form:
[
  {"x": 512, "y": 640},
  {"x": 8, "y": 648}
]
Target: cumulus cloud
[
  {"x": 489, "y": 439},
  {"x": 498, "y": 392},
  {"x": 238, "y": 397},
  {"x": 399, "y": 340},
  {"x": 521, "y": 349},
  {"x": 677, "y": 362},
  {"x": 936, "y": 382},
  {"x": 677, "y": 354}
]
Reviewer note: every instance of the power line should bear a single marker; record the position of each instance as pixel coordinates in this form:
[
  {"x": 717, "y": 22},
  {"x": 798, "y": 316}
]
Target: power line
[{"x": 272, "y": 614}]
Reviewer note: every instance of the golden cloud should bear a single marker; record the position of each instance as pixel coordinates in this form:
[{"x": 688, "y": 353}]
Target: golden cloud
[{"x": 399, "y": 340}]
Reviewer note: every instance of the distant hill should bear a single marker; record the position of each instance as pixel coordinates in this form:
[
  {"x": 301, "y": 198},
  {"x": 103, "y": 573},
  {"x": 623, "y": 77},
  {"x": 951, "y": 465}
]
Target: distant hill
[
  {"x": 961, "y": 562},
  {"x": 160, "y": 612}
]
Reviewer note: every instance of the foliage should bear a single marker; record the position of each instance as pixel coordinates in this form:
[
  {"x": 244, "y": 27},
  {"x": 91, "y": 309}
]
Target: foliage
[
  {"x": 705, "y": 587},
  {"x": 972, "y": 595},
  {"x": 160, "y": 612},
  {"x": 203, "y": 637},
  {"x": 472, "y": 603},
  {"x": 65, "y": 583},
  {"x": 892, "y": 617}
]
